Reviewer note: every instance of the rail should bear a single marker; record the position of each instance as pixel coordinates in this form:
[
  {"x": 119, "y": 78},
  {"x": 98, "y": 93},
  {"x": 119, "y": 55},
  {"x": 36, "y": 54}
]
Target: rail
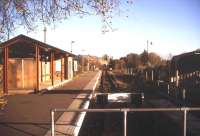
[{"x": 125, "y": 111}]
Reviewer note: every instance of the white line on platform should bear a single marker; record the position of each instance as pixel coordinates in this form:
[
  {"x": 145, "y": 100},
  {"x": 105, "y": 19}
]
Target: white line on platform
[
  {"x": 87, "y": 103},
  {"x": 59, "y": 84},
  {"x": 66, "y": 117}
]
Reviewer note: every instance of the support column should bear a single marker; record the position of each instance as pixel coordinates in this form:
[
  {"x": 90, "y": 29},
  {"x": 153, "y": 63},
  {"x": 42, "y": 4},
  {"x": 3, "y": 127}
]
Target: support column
[
  {"x": 5, "y": 71},
  {"x": 67, "y": 67},
  {"x": 41, "y": 73},
  {"x": 177, "y": 78},
  {"x": 52, "y": 68},
  {"x": 62, "y": 68},
  {"x": 37, "y": 53}
]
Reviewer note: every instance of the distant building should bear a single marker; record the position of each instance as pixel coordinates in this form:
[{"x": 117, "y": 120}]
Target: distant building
[
  {"x": 103, "y": 61},
  {"x": 89, "y": 62}
]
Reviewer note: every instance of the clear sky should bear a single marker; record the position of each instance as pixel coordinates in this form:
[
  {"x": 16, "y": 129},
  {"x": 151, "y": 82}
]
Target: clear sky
[{"x": 173, "y": 26}]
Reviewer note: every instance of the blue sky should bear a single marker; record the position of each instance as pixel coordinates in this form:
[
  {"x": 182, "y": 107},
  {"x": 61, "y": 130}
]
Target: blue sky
[{"x": 171, "y": 25}]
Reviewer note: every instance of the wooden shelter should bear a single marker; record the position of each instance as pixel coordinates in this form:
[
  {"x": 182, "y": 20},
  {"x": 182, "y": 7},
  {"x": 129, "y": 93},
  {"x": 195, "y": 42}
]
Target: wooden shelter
[
  {"x": 185, "y": 63},
  {"x": 29, "y": 64}
]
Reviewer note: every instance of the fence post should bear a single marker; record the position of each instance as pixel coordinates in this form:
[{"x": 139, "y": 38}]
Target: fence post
[
  {"x": 168, "y": 88},
  {"x": 52, "y": 124},
  {"x": 185, "y": 123},
  {"x": 125, "y": 123},
  {"x": 146, "y": 75},
  {"x": 152, "y": 75}
]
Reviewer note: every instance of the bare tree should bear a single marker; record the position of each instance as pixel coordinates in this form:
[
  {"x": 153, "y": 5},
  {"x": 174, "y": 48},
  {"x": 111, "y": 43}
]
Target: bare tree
[
  {"x": 154, "y": 59},
  {"x": 30, "y": 12},
  {"x": 133, "y": 60}
]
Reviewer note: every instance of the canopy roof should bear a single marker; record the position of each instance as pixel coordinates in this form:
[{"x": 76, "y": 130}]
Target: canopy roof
[
  {"x": 186, "y": 62},
  {"x": 25, "y": 40}
]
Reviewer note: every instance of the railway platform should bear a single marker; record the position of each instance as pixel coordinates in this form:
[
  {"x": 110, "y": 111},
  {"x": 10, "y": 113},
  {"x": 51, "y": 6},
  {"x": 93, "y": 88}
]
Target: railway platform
[
  {"x": 69, "y": 123},
  {"x": 29, "y": 114}
]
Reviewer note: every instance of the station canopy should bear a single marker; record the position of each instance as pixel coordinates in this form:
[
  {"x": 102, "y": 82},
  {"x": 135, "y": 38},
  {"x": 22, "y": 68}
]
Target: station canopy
[{"x": 24, "y": 47}]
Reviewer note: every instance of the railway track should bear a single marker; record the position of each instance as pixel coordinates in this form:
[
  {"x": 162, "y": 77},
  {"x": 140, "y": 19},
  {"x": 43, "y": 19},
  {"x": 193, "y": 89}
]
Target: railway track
[
  {"x": 108, "y": 83},
  {"x": 139, "y": 124},
  {"x": 104, "y": 124}
]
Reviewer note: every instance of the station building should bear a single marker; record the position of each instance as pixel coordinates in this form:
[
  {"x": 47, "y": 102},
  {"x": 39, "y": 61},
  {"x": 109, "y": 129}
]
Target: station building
[{"x": 28, "y": 65}]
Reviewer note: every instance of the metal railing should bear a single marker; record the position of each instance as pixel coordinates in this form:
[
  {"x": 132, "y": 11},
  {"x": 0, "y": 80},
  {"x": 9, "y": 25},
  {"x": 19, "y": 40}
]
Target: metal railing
[{"x": 125, "y": 111}]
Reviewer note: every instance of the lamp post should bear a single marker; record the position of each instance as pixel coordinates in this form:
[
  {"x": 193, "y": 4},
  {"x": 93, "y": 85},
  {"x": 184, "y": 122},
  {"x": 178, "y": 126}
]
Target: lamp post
[
  {"x": 45, "y": 34},
  {"x": 71, "y": 45},
  {"x": 148, "y": 64},
  {"x": 148, "y": 42}
]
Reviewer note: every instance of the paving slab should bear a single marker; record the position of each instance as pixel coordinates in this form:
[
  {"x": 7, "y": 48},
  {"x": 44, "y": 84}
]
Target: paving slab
[
  {"x": 71, "y": 122},
  {"x": 29, "y": 114}
]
